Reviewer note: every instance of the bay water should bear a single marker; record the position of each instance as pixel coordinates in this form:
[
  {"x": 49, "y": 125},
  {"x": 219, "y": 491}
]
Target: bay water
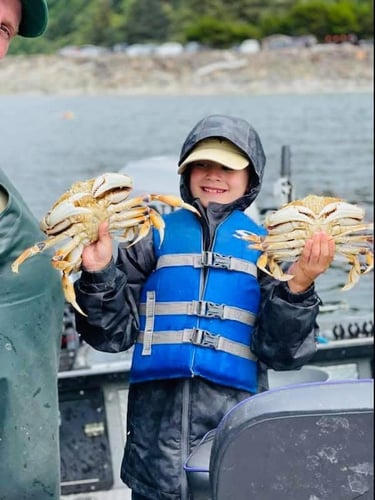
[{"x": 49, "y": 142}]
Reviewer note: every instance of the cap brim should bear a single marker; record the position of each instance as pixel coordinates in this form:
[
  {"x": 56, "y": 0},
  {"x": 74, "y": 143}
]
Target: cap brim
[
  {"x": 34, "y": 18},
  {"x": 225, "y": 158}
]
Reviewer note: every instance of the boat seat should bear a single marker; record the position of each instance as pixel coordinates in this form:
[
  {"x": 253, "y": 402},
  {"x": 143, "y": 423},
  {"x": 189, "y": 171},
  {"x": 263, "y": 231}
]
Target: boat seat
[{"x": 305, "y": 441}]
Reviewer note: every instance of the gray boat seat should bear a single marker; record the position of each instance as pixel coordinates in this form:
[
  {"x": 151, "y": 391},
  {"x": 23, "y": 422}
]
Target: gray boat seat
[{"x": 310, "y": 441}]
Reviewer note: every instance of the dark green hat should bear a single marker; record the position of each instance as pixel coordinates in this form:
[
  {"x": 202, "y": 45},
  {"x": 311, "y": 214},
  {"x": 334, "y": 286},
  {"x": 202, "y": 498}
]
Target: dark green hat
[{"x": 34, "y": 18}]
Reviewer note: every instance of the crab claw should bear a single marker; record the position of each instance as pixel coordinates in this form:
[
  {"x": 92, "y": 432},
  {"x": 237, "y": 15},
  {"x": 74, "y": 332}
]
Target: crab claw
[
  {"x": 142, "y": 230},
  {"x": 158, "y": 222},
  {"x": 369, "y": 258},
  {"x": 58, "y": 218},
  {"x": 173, "y": 201},
  {"x": 70, "y": 293},
  {"x": 109, "y": 182}
]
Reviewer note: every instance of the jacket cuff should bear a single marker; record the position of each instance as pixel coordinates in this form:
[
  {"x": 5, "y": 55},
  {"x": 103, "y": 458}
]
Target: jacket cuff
[
  {"x": 105, "y": 275},
  {"x": 284, "y": 293}
]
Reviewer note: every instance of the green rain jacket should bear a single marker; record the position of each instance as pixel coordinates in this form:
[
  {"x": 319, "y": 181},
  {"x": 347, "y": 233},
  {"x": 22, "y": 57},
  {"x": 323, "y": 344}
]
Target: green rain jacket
[{"x": 31, "y": 314}]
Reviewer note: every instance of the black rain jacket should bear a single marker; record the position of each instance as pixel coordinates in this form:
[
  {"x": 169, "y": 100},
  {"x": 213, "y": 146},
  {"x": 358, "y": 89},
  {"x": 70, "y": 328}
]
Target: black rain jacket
[{"x": 167, "y": 418}]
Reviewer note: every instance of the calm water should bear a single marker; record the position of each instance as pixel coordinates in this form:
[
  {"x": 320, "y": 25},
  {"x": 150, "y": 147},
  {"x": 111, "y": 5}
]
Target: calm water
[{"x": 49, "y": 142}]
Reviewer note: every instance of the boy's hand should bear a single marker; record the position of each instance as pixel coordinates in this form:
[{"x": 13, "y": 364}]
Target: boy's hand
[
  {"x": 315, "y": 259},
  {"x": 98, "y": 255}
]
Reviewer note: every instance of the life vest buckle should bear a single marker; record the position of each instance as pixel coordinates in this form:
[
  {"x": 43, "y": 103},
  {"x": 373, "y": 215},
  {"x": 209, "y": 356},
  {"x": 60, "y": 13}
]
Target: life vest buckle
[
  {"x": 205, "y": 338},
  {"x": 213, "y": 259},
  {"x": 209, "y": 309}
]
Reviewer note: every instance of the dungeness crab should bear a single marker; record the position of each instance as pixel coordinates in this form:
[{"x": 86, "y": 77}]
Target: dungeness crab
[
  {"x": 294, "y": 223},
  {"x": 74, "y": 219}
]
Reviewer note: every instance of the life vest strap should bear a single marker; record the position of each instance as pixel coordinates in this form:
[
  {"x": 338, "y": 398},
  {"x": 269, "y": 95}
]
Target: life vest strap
[
  {"x": 201, "y": 338},
  {"x": 207, "y": 259},
  {"x": 149, "y": 325},
  {"x": 202, "y": 308}
]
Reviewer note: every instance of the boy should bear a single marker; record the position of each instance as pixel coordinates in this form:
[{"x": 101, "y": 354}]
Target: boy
[{"x": 194, "y": 306}]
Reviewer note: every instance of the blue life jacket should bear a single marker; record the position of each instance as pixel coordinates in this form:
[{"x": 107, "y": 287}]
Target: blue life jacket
[{"x": 198, "y": 308}]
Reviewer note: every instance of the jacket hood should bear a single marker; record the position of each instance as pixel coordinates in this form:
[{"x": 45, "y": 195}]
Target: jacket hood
[{"x": 242, "y": 135}]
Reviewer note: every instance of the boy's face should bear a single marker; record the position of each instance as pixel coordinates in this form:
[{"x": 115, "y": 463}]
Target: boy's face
[{"x": 212, "y": 182}]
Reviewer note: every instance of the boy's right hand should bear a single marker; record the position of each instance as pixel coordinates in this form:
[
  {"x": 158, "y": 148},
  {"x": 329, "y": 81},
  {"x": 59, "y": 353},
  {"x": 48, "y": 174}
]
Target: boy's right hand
[{"x": 98, "y": 255}]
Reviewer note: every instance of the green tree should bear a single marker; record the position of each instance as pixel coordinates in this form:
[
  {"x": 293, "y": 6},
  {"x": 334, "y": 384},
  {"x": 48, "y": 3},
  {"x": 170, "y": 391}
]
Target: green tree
[
  {"x": 63, "y": 18},
  {"x": 220, "y": 34},
  {"x": 309, "y": 17},
  {"x": 318, "y": 17},
  {"x": 342, "y": 18},
  {"x": 365, "y": 16},
  {"x": 101, "y": 23},
  {"x": 147, "y": 22},
  {"x": 219, "y": 23}
]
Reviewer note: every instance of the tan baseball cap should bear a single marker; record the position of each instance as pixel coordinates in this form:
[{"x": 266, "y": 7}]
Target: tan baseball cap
[{"x": 217, "y": 150}]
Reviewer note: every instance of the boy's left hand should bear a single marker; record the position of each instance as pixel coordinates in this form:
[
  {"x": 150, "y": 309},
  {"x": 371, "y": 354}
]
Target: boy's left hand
[{"x": 316, "y": 257}]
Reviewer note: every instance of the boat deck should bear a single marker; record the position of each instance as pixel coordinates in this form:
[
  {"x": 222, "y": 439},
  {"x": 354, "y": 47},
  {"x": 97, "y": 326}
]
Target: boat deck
[{"x": 93, "y": 399}]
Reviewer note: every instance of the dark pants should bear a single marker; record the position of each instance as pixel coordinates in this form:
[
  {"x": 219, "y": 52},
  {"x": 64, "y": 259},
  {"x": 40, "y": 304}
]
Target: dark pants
[{"x": 136, "y": 496}]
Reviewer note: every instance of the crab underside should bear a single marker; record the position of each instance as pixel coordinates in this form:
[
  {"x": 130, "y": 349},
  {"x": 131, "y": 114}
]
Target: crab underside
[
  {"x": 294, "y": 223},
  {"x": 73, "y": 222}
]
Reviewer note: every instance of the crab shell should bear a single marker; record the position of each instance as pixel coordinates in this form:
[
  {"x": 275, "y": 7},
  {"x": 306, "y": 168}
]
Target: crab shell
[
  {"x": 74, "y": 219},
  {"x": 294, "y": 223}
]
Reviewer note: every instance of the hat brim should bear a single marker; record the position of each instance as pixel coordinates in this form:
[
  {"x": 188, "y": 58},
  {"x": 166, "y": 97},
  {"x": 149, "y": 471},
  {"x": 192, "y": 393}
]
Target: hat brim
[
  {"x": 34, "y": 18},
  {"x": 228, "y": 159}
]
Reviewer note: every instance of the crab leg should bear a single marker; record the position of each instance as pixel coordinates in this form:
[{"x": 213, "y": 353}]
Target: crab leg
[
  {"x": 173, "y": 201},
  {"x": 355, "y": 239},
  {"x": 66, "y": 253},
  {"x": 158, "y": 222},
  {"x": 281, "y": 245},
  {"x": 369, "y": 261},
  {"x": 71, "y": 263},
  {"x": 129, "y": 218},
  {"x": 354, "y": 273},
  {"x": 353, "y": 229},
  {"x": 128, "y": 205},
  {"x": 35, "y": 249},
  {"x": 147, "y": 217},
  {"x": 119, "y": 223},
  {"x": 351, "y": 253},
  {"x": 275, "y": 270},
  {"x": 143, "y": 230},
  {"x": 69, "y": 292}
]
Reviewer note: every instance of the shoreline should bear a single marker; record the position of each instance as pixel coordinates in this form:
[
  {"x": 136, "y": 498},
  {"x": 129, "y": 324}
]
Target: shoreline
[{"x": 319, "y": 69}]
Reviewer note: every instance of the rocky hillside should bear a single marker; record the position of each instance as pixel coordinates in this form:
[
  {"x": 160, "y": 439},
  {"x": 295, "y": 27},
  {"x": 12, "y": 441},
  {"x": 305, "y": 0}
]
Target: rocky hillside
[{"x": 323, "y": 68}]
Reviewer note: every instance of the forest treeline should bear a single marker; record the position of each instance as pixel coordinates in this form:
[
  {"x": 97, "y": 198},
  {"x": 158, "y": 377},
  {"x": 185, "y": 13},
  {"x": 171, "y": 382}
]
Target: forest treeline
[{"x": 213, "y": 23}]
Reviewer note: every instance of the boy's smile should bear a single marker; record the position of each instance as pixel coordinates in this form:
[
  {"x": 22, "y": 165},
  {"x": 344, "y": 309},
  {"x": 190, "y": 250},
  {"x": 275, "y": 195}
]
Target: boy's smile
[
  {"x": 212, "y": 190},
  {"x": 213, "y": 182}
]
